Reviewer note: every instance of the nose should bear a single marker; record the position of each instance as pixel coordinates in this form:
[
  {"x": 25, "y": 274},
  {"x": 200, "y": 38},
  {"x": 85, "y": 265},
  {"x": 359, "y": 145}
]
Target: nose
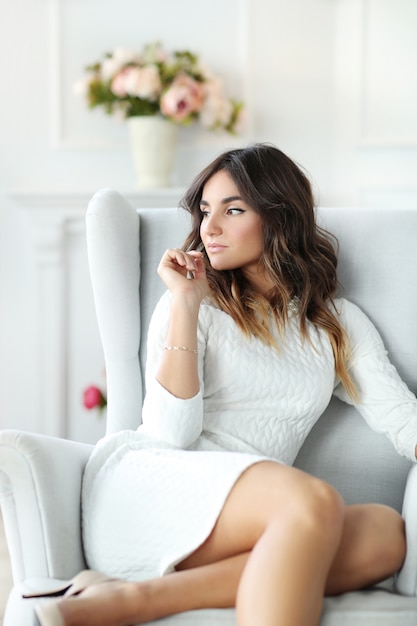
[{"x": 211, "y": 225}]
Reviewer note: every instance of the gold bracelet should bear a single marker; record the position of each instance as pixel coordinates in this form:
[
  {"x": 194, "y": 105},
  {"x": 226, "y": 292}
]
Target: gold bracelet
[{"x": 181, "y": 348}]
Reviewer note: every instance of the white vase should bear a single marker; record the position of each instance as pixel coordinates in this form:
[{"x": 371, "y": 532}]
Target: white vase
[{"x": 153, "y": 142}]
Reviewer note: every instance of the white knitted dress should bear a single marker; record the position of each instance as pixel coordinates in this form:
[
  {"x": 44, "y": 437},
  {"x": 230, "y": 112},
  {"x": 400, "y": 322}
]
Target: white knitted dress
[{"x": 152, "y": 496}]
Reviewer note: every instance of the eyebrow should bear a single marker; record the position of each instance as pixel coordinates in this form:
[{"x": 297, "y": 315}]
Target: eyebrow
[{"x": 224, "y": 201}]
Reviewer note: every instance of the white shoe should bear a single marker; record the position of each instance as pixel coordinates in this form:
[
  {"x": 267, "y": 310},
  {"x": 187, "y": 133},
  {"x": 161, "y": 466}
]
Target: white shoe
[
  {"x": 48, "y": 614},
  {"x": 81, "y": 581}
]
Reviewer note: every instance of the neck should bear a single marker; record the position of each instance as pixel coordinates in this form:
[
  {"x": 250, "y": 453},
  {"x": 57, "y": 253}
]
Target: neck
[{"x": 260, "y": 282}]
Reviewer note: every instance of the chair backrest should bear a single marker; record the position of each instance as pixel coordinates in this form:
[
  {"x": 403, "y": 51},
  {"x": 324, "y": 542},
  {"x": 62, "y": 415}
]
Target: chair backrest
[{"x": 377, "y": 271}]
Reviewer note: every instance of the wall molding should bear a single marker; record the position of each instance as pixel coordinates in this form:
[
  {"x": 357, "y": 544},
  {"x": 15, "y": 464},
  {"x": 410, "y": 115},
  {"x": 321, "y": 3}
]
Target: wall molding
[
  {"x": 49, "y": 234},
  {"x": 368, "y": 138},
  {"x": 58, "y": 138}
]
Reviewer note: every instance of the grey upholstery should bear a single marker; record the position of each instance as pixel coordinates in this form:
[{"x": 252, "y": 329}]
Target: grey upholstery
[{"x": 40, "y": 477}]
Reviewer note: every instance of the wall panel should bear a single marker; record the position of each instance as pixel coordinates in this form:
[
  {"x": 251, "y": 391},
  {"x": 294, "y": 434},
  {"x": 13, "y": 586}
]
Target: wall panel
[
  {"x": 389, "y": 78},
  {"x": 82, "y": 31}
]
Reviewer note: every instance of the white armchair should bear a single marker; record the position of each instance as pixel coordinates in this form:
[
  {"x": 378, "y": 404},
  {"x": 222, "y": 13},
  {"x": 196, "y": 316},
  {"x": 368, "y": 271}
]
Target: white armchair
[{"x": 40, "y": 477}]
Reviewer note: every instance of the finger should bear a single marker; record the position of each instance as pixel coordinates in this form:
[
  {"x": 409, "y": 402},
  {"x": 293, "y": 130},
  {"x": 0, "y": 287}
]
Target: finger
[
  {"x": 179, "y": 257},
  {"x": 200, "y": 271},
  {"x": 196, "y": 254}
]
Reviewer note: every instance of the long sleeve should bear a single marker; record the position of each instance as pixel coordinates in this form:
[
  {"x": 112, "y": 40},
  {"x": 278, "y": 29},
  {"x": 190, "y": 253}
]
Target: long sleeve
[
  {"x": 385, "y": 401},
  {"x": 165, "y": 417}
]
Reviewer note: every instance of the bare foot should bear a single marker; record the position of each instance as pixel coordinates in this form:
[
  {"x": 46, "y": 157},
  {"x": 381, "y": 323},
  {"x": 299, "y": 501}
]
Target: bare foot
[{"x": 114, "y": 603}]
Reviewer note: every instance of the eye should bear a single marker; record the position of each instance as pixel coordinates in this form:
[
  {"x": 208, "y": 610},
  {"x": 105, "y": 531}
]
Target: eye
[
  {"x": 204, "y": 213},
  {"x": 234, "y": 211}
]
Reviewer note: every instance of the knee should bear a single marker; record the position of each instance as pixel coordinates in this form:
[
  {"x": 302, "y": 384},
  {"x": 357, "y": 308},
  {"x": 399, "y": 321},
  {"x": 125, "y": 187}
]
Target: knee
[
  {"x": 291, "y": 499},
  {"x": 321, "y": 511},
  {"x": 325, "y": 505}
]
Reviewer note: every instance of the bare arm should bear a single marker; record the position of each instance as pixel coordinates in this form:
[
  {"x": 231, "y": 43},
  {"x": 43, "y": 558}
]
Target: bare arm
[{"x": 178, "y": 370}]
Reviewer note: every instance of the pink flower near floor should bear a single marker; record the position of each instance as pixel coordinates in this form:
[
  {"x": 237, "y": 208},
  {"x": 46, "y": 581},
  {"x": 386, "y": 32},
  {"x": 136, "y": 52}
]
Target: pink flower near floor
[{"x": 94, "y": 398}]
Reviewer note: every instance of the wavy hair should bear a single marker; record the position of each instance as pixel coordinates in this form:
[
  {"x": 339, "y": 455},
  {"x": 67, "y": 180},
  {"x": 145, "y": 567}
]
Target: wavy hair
[{"x": 299, "y": 256}]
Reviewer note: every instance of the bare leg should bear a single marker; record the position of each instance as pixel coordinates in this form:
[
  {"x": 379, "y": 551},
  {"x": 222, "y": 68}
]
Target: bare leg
[
  {"x": 292, "y": 525},
  {"x": 370, "y": 549}
]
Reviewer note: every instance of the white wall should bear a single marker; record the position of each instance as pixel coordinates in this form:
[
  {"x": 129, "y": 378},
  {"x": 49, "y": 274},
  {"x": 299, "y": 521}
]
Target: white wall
[{"x": 332, "y": 82}]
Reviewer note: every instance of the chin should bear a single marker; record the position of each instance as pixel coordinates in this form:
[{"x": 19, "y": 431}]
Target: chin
[{"x": 222, "y": 267}]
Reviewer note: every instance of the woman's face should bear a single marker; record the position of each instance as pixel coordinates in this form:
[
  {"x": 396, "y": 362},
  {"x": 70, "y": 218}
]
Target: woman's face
[{"x": 231, "y": 230}]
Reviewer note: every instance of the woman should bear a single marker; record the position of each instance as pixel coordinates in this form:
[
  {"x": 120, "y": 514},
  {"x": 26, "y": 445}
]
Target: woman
[{"x": 244, "y": 352}]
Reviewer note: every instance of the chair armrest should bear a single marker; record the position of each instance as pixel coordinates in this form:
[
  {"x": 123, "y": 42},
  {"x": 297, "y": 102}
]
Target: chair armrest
[
  {"x": 407, "y": 577},
  {"x": 40, "y": 490}
]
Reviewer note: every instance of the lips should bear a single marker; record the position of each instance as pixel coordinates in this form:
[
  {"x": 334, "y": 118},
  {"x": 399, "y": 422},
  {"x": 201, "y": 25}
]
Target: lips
[{"x": 215, "y": 247}]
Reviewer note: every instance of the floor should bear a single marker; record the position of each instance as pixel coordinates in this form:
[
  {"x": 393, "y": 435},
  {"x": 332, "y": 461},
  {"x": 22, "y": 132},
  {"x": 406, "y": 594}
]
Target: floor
[{"x": 5, "y": 572}]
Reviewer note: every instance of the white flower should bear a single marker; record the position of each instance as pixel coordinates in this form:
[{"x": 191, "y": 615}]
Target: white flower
[
  {"x": 225, "y": 112},
  {"x": 123, "y": 56},
  {"x": 112, "y": 65},
  {"x": 81, "y": 86},
  {"x": 109, "y": 68},
  {"x": 216, "y": 110},
  {"x": 140, "y": 82},
  {"x": 153, "y": 53},
  {"x": 144, "y": 82}
]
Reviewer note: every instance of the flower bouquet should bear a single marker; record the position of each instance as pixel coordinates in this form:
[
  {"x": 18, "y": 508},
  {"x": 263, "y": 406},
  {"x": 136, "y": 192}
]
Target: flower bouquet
[
  {"x": 154, "y": 82},
  {"x": 156, "y": 92}
]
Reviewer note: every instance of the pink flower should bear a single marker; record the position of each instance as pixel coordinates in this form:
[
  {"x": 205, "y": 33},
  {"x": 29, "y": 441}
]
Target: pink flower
[
  {"x": 184, "y": 97},
  {"x": 141, "y": 82},
  {"x": 119, "y": 82},
  {"x": 120, "y": 58},
  {"x": 144, "y": 82},
  {"x": 94, "y": 398}
]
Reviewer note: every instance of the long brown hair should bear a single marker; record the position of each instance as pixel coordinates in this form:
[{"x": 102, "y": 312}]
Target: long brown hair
[{"x": 298, "y": 255}]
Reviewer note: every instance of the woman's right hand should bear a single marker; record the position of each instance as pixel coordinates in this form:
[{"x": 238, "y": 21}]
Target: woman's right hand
[
  {"x": 178, "y": 369},
  {"x": 184, "y": 273}
]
